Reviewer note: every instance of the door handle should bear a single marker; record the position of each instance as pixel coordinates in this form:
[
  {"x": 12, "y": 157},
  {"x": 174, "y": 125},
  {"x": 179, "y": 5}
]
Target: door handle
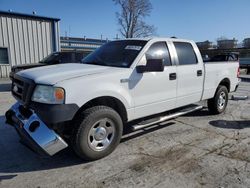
[
  {"x": 172, "y": 76},
  {"x": 199, "y": 72}
]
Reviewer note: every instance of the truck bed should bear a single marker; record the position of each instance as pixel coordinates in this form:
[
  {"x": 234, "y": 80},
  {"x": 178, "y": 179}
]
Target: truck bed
[{"x": 215, "y": 72}]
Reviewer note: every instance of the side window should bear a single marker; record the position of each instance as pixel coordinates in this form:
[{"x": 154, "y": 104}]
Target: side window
[
  {"x": 4, "y": 56},
  {"x": 185, "y": 53},
  {"x": 159, "y": 50}
]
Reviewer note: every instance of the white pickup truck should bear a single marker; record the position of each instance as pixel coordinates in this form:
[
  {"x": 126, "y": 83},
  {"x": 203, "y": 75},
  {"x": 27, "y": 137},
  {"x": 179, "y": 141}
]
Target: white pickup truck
[{"x": 129, "y": 82}]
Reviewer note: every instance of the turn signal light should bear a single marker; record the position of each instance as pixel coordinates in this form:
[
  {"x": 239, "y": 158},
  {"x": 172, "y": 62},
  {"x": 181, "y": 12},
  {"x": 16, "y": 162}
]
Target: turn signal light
[{"x": 59, "y": 94}]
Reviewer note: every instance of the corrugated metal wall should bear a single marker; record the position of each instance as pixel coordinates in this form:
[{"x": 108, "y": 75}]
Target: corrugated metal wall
[{"x": 28, "y": 40}]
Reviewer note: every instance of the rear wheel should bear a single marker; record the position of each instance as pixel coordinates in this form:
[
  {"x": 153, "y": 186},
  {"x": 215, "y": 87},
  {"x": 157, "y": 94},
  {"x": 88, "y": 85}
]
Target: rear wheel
[
  {"x": 98, "y": 131},
  {"x": 218, "y": 104}
]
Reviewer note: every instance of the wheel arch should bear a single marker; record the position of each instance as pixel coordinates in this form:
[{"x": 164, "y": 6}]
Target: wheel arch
[
  {"x": 109, "y": 101},
  {"x": 225, "y": 82}
]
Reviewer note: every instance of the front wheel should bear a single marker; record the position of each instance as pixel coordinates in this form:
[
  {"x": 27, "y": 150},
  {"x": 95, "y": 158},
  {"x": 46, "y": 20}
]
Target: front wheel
[
  {"x": 218, "y": 104},
  {"x": 98, "y": 131}
]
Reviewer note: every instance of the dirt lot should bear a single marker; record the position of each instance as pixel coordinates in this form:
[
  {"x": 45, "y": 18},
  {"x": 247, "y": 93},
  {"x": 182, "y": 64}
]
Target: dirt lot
[{"x": 192, "y": 151}]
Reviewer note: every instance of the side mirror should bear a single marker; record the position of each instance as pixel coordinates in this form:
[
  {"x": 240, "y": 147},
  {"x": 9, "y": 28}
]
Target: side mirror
[{"x": 153, "y": 65}]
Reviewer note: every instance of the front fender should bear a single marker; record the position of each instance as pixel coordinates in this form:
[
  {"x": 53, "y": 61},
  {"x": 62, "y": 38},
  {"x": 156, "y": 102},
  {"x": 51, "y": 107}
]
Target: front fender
[{"x": 82, "y": 96}]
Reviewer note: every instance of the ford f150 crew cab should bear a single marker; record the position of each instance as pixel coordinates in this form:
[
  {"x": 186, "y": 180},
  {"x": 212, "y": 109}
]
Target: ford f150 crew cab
[{"x": 133, "y": 82}]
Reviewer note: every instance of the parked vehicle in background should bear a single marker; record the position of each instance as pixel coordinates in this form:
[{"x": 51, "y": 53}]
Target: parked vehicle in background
[
  {"x": 233, "y": 56},
  {"x": 133, "y": 82},
  {"x": 245, "y": 64},
  {"x": 52, "y": 59}
]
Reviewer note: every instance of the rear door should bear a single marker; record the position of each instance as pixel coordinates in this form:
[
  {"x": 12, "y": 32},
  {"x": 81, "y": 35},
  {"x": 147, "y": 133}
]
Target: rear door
[{"x": 190, "y": 74}]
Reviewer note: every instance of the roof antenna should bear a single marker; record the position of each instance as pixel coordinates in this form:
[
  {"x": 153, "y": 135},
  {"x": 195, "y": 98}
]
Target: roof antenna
[{"x": 34, "y": 12}]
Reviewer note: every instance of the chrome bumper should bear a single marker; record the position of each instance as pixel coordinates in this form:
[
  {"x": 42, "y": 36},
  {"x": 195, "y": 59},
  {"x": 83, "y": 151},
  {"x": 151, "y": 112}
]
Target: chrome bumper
[{"x": 34, "y": 132}]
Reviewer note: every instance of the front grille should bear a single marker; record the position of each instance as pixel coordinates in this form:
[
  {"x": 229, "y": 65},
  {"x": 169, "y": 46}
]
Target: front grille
[{"x": 22, "y": 89}]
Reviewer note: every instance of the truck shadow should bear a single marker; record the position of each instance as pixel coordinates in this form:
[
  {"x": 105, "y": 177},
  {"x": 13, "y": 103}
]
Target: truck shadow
[
  {"x": 203, "y": 112},
  {"x": 225, "y": 124},
  {"x": 7, "y": 177},
  {"x": 16, "y": 158},
  {"x": 128, "y": 134}
]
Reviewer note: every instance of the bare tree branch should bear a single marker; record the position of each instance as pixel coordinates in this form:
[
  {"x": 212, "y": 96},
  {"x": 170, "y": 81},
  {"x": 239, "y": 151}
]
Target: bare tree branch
[{"x": 131, "y": 17}]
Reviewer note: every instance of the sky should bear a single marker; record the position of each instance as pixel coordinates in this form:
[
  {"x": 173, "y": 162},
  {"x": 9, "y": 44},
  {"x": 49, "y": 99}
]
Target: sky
[{"x": 198, "y": 20}]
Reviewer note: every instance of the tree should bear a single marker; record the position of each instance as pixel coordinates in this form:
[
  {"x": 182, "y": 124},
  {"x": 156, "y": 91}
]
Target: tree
[{"x": 131, "y": 17}]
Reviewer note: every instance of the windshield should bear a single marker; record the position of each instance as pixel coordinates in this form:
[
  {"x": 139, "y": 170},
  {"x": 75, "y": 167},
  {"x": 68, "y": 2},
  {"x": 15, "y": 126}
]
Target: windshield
[{"x": 116, "y": 53}]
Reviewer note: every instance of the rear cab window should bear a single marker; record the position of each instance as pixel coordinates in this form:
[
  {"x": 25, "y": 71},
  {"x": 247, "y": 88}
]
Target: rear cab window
[{"x": 186, "y": 54}]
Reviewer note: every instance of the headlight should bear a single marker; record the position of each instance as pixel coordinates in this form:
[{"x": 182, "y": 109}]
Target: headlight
[{"x": 48, "y": 94}]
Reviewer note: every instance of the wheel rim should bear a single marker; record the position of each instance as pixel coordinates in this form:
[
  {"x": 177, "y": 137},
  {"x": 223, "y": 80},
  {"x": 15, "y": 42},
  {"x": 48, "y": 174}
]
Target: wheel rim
[
  {"x": 101, "y": 134},
  {"x": 222, "y": 100}
]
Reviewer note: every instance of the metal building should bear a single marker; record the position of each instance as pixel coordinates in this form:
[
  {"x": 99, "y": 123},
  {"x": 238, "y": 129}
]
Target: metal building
[
  {"x": 26, "y": 39},
  {"x": 205, "y": 45},
  {"x": 246, "y": 43},
  {"x": 83, "y": 45},
  {"x": 226, "y": 43}
]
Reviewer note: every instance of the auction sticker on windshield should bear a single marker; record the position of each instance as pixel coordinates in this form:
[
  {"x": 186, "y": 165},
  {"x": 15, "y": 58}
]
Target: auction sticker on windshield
[{"x": 131, "y": 47}]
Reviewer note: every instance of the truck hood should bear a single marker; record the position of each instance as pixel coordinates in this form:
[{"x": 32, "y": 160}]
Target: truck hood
[{"x": 56, "y": 73}]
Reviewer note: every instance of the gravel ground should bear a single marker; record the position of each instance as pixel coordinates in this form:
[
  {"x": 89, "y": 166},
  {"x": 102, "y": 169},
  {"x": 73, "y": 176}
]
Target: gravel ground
[{"x": 195, "y": 150}]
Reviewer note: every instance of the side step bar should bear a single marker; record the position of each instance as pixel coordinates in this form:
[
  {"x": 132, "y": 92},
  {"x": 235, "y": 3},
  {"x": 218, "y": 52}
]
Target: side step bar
[{"x": 167, "y": 117}]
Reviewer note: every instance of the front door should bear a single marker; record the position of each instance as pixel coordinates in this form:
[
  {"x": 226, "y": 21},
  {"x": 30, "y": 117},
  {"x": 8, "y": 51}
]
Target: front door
[{"x": 154, "y": 92}]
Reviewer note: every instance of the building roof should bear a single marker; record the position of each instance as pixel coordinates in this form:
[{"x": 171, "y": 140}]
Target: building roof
[
  {"x": 34, "y": 16},
  {"x": 83, "y": 39}
]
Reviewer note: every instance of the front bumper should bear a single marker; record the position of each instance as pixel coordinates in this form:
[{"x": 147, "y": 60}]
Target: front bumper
[
  {"x": 34, "y": 132},
  {"x": 54, "y": 113}
]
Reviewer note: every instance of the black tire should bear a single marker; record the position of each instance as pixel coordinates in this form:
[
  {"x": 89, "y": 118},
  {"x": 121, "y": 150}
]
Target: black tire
[
  {"x": 81, "y": 137},
  {"x": 214, "y": 104}
]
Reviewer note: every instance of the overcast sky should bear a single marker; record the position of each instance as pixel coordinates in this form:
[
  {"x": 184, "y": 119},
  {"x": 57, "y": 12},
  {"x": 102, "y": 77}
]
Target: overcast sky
[{"x": 198, "y": 20}]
